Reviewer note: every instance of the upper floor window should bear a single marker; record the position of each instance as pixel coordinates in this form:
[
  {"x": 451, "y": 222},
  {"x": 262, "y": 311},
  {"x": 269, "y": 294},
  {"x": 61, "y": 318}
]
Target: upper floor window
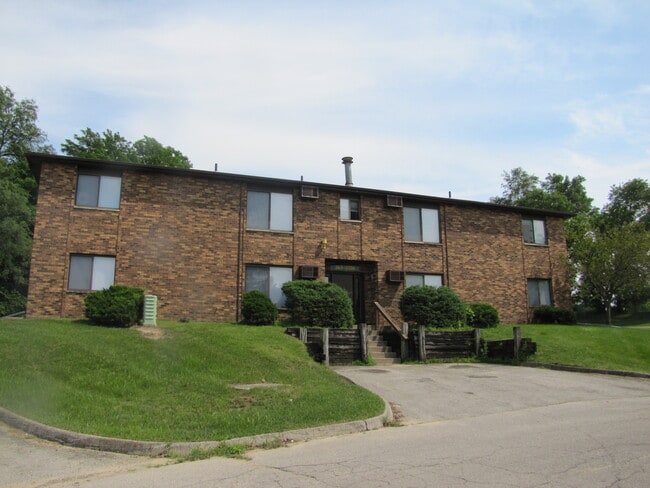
[
  {"x": 269, "y": 280},
  {"x": 350, "y": 209},
  {"x": 539, "y": 292},
  {"x": 269, "y": 210},
  {"x": 421, "y": 224},
  {"x": 101, "y": 191},
  {"x": 415, "y": 279},
  {"x": 91, "y": 272},
  {"x": 534, "y": 231}
]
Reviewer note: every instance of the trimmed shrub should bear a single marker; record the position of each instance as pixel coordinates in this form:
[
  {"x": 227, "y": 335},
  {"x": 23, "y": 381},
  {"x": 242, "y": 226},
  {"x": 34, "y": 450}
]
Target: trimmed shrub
[
  {"x": 318, "y": 304},
  {"x": 116, "y": 306},
  {"x": 545, "y": 314},
  {"x": 482, "y": 315},
  {"x": 258, "y": 309},
  {"x": 432, "y": 306}
]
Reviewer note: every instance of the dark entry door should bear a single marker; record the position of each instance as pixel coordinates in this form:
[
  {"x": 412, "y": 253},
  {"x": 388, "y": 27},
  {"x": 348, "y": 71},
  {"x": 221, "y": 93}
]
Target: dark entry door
[{"x": 353, "y": 284}]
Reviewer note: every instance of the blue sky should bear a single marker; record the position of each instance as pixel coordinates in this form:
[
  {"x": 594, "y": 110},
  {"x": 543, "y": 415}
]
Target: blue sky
[{"x": 427, "y": 96}]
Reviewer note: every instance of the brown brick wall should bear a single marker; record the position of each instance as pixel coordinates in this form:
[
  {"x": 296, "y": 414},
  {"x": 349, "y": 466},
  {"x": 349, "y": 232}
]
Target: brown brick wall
[{"x": 184, "y": 239}]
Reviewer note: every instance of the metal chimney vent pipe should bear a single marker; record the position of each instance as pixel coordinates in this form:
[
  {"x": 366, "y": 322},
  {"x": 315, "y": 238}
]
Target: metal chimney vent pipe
[{"x": 347, "y": 161}]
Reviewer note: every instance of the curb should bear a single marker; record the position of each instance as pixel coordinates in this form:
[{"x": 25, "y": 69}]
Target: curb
[
  {"x": 153, "y": 449},
  {"x": 578, "y": 369}
]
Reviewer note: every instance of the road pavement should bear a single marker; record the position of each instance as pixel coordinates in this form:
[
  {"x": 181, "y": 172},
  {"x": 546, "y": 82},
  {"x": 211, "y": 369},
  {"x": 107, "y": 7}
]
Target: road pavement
[{"x": 463, "y": 425}]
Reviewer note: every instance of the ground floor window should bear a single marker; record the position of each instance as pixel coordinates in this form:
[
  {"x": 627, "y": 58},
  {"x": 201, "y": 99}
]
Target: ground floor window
[
  {"x": 539, "y": 292},
  {"x": 91, "y": 272},
  {"x": 415, "y": 279},
  {"x": 269, "y": 280}
]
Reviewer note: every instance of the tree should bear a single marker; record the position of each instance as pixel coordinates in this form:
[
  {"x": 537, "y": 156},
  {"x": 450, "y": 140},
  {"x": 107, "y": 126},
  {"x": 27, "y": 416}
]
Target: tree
[
  {"x": 112, "y": 146},
  {"x": 149, "y": 151},
  {"x": 556, "y": 192},
  {"x": 16, "y": 222},
  {"x": 517, "y": 183},
  {"x": 614, "y": 265},
  {"x": 19, "y": 134},
  {"x": 629, "y": 202},
  {"x": 107, "y": 145}
]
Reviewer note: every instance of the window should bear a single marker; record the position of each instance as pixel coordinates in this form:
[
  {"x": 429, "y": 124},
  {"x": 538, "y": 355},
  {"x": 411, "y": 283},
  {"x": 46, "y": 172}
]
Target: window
[
  {"x": 421, "y": 224},
  {"x": 269, "y": 280},
  {"x": 98, "y": 191},
  {"x": 414, "y": 279},
  {"x": 539, "y": 292},
  {"x": 534, "y": 231},
  {"x": 268, "y": 210},
  {"x": 350, "y": 209},
  {"x": 91, "y": 272}
]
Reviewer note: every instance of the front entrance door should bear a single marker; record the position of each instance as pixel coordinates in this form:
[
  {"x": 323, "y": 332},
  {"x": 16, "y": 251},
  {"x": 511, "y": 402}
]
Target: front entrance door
[{"x": 353, "y": 283}]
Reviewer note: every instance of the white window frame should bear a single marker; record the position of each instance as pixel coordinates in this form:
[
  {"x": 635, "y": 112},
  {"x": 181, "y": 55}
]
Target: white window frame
[
  {"x": 534, "y": 231},
  {"x": 427, "y": 221},
  {"x": 269, "y": 280},
  {"x": 539, "y": 292},
  {"x": 98, "y": 190},
  {"x": 346, "y": 209},
  {"x": 92, "y": 272},
  {"x": 427, "y": 279},
  {"x": 276, "y": 213}
]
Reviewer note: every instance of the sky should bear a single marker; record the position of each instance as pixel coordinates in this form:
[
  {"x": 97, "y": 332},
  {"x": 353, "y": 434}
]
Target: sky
[{"x": 428, "y": 97}]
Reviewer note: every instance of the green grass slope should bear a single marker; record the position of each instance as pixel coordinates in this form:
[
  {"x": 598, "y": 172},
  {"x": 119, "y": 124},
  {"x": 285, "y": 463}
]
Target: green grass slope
[{"x": 119, "y": 383}]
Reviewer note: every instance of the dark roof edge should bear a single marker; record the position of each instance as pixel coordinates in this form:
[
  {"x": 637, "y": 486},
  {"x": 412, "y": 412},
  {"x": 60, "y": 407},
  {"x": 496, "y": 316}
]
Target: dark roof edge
[{"x": 35, "y": 161}]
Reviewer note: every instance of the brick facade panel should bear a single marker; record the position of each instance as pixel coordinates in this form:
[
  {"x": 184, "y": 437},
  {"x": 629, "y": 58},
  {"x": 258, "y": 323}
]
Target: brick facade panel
[{"x": 184, "y": 238}]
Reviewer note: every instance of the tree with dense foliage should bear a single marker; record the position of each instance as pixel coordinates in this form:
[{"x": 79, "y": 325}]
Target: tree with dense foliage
[
  {"x": 614, "y": 266},
  {"x": 556, "y": 192},
  {"x": 19, "y": 134},
  {"x": 629, "y": 202},
  {"x": 112, "y": 146}
]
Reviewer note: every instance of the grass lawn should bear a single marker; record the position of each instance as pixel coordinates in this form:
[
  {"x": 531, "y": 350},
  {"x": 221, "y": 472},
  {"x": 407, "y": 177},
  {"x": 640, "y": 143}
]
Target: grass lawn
[
  {"x": 614, "y": 348},
  {"x": 119, "y": 383}
]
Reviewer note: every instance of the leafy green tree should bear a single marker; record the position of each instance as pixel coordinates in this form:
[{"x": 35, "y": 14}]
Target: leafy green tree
[
  {"x": 19, "y": 134},
  {"x": 149, "y": 151},
  {"x": 112, "y": 146},
  {"x": 107, "y": 145},
  {"x": 517, "y": 183},
  {"x": 556, "y": 192},
  {"x": 629, "y": 202},
  {"x": 614, "y": 265},
  {"x": 16, "y": 222}
]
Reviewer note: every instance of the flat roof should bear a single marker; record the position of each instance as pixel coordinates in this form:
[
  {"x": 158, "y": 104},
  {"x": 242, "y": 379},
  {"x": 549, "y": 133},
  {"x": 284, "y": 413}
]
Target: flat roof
[{"x": 36, "y": 160}]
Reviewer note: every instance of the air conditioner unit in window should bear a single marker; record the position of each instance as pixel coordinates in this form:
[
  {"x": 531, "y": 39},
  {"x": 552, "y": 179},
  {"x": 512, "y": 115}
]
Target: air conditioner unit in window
[
  {"x": 309, "y": 272},
  {"x": 307, "y": 191},
  {"x": 394, "y": 201},
  {"x": 394, "y": 276}
]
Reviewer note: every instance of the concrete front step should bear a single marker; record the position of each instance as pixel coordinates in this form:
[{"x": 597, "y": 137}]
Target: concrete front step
[{"x": 381, "y": 353}]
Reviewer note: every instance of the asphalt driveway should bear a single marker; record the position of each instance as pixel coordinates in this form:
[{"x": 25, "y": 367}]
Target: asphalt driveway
[{"x": 426, "y": 393}]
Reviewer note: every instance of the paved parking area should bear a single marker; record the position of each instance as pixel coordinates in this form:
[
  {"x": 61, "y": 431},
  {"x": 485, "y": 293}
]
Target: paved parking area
[{"x": 425, "y": 393}]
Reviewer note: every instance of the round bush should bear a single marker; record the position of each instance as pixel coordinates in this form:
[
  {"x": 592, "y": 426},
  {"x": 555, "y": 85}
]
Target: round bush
[
  {"x": 432, "y": 306},
  {"x": 318, "y": 304},
  {"x": 116, "y": 306},
  {"x": 258, "y": 309},
  {"x": 483, "y": 315}
]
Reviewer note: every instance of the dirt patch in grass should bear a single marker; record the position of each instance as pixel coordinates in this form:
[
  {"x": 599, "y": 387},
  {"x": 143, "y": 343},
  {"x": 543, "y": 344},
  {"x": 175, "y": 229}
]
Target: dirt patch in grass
[{"x": 150, "y": 332}]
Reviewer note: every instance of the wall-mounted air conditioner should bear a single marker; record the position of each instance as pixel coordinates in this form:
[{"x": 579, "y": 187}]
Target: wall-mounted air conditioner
[
  {"x": 394, "y": 201},
  {"x": 308, "y": 272},
  {"x": 307, "y": 191},
  {"x": 394, "y": 276}
]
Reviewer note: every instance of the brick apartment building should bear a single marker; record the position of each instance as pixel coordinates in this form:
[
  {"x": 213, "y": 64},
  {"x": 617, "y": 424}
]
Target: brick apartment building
[{"x": 199, "y": 239}]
